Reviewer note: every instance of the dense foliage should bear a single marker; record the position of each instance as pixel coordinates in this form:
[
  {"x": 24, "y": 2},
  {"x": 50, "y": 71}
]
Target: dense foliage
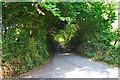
[
  {"x": 25, "y": 37},
  {"x": 95, "y": 34},
  {"x": 31, "y": 31}
]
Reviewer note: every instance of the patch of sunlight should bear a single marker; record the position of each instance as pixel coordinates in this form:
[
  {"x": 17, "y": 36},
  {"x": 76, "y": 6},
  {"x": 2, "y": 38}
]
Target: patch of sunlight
[
  {"x": 90, "y": 59},
  {"x": 57, "y": 68},
  {"x": 115, "y": 24},
  {"x": 29, "y": 77},
  {"x": 88, "y": 72},
  {"x": 105, "y": 16},
  {"x": 113, "y": 42},
  {"x": 60, "y": 39},
  {"x": 18, "y": 31},
  {"x": 113, "y": 72},
  {"x": 65, "y": 35},
  {"x": 66, "y": 54},
  {"x": 85, "y": 74}
]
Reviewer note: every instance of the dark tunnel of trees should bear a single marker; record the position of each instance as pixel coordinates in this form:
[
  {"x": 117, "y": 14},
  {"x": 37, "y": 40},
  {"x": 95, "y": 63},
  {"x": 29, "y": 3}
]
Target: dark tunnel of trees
[{"x": 34, "y": 30}]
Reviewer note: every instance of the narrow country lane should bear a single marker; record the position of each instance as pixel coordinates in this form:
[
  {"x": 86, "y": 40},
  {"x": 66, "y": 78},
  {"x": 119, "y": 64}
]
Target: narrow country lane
[{"x": 69, "y": 65}]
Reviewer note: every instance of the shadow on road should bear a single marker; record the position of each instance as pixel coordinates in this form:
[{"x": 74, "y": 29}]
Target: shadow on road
[{"x": 69, "y": 65}]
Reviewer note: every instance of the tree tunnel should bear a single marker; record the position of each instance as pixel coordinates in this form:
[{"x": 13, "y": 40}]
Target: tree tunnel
[{"x": 35, "y": 30}]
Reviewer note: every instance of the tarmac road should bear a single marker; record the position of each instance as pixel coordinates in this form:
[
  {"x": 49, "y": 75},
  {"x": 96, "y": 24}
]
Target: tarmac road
[{"x": 69, "y": 65}]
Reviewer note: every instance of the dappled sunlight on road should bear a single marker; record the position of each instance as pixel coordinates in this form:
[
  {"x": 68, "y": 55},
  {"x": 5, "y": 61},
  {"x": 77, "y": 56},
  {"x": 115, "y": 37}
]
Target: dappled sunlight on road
[
  {"x": 69, "y": 65},
  {"x": 88, "y": 72},
  {"x": 66, "y": 54}
]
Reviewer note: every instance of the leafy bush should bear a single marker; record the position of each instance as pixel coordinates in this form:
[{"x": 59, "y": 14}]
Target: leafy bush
[
  {"x": 21, "y": 49},
  {"x": 95, "y": 35},
  {"x": 24, "y": 39}
]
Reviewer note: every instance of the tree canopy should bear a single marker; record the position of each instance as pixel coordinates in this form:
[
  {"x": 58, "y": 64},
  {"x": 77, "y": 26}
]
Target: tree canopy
[{"x": 33, "y": 29}]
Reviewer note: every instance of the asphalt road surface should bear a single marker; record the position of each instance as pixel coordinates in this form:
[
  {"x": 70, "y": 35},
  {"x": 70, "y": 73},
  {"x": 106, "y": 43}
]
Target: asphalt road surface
[{"x": 69, "y": 65}]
